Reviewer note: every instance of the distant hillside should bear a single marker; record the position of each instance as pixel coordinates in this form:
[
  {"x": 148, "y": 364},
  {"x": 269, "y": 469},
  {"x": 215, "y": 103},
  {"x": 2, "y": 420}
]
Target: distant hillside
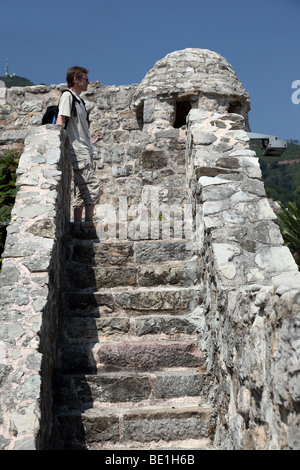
[
  {"x": 281, "y": 175},
  {"x": 14, "y": 80}
]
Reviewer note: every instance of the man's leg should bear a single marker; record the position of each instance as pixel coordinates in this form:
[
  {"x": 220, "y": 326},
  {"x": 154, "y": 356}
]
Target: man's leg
[
  {"x": 78, "y": 214},
  {"x": 89, "y": 212},
  {"x": 87, "y": 189}
]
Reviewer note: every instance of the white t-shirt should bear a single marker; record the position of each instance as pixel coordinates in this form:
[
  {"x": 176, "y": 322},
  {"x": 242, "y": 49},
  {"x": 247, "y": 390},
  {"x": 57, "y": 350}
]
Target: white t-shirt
[{"x": 77, "y": 130}]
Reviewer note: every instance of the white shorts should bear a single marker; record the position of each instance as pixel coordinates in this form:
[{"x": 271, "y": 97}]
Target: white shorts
[{"x": 87, "y": 187}]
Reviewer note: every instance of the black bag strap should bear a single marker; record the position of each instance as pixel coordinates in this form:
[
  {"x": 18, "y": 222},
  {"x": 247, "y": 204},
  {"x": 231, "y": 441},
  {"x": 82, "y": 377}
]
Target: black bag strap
[
  {"x": 75, "y": 99},
  {"x": 74, "y": 112}
]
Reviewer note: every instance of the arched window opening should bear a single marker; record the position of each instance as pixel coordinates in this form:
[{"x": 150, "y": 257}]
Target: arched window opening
[
  {"x": 182, "y": 109},
  {"x": 140, "y": 115},
  {"x": 235, "y": 107}
]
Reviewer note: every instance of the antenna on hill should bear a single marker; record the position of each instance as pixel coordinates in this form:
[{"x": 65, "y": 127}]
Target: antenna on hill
[{"x": 6, "y": 68}]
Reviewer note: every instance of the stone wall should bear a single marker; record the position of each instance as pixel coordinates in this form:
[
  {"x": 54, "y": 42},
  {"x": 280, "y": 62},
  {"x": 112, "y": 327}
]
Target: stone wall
[
  {"x": 249, "y": 321},
  {"x": 30, "y": 285},
  {"x": 138, "y": 158},
  {"x": 138, "y": 130},
  {"x": 146, "y": 157}
]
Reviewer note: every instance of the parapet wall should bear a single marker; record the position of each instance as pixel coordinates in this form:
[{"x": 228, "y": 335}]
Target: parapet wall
[
  {"x": 30, "y": 289},
  {"x": 249, "y": 321}
]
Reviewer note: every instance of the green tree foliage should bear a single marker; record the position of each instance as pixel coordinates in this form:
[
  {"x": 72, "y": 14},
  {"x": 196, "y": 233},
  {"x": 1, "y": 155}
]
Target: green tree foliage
[
  {"x": 289, "y": 223},
  {"x": 8, "y": 191},
  {"x": 281, "y": 175},
  {"x": 14, "y": 80}
]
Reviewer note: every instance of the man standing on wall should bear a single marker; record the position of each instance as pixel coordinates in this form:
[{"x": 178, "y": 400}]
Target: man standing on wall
[{"x": 72, "y": 116}]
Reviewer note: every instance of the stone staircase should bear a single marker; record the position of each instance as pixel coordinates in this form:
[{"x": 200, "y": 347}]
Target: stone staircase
[{"x": 130, "y": 374}]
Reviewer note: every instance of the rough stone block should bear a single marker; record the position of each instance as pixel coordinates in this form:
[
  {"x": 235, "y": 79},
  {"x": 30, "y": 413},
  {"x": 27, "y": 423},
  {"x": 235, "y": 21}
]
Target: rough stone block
[
  {"x": 78, "y": 428},
  {"x": 160, "y": 251},
  {"x": 176, "y": 300},
  {"x": 201, "y": 136},
  {"x": 153, "y": 159},
  {"x": 149, "y": 355},
  {"x": 102, "y": 253},
  {"x": 102, "y": 277},
  {"x": 85, "y": 329},
  {"x": 163, "y": 324},
  {"x": 167, "y": 425},
  {"x": 182, "y": 383},
  {"x": 112, "y": 387},
  {"x": 163, "y": 274},
  {"x": 88, "y": 304}
]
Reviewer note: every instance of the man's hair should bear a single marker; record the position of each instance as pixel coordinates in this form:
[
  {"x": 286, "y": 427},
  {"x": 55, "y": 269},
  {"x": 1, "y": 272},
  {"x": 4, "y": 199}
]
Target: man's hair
[{"x": 75, "y": 71}]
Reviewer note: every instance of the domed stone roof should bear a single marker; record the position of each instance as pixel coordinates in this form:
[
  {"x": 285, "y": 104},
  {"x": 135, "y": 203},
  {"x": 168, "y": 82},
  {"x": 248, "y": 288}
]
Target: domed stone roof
[{"x": 190, "y": 71}]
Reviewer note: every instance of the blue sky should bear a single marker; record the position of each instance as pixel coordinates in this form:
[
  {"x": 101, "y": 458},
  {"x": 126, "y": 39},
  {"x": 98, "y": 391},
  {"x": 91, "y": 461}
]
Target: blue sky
[{"x": 120, "y": 40}]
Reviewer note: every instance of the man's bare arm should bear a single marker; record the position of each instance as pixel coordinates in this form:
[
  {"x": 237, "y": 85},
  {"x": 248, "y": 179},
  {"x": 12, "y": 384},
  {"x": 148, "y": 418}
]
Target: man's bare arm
[{"x": 61, "y": 120}]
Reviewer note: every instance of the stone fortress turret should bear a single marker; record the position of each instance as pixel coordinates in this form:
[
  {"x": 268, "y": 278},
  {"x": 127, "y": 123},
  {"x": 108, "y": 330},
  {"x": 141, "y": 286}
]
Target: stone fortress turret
[
  {"x": 194, "y": 79},
  {"x": 195, "y": 331}
]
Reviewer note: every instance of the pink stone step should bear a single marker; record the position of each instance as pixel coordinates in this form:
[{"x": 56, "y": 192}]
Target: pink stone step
[
  {"x": 141, "y": 425},
  {"x": 149, "y": 355}
]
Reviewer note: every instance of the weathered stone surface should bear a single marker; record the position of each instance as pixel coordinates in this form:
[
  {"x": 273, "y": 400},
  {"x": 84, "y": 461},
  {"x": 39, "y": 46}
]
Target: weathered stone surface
[
  {"x": 29, "y": 298},
  {"x": 85, "y": 329},
  {"x": 153, "y": 252},
  {"x": 145, "y": 355},
  {"x": 202, "y": 137},
  {"x": 152, "y": 159},
  {"x": 96, "y": 426},
  {"x": 110, "y": 387},
  {"x": 229, "y": 162},
  {"x": 166, "y": 324},
  {"x": 43, "y": 228},
  {"x": 275, "y": 259},
  {"x": 168, "y": 425},
  {"x": 28, "y": 443},
  {"x": 155, "y": 300},
  {"x": 27, "y": 418},
  {"x": 163, "y": 274},
  {"x": 88, "y": 304},
  {"x": 215, "y": 171},
  {"x": 126, "y": 386},
  {"x": 179, "y": 383},
  {"x": 243, "y": 254},
  {"x": 102, "y": 277},
  {"x": 103, "y": 253},
  {"x": 200, "y": 68},
  {"x": 243, "y": 285},
  {"x": 9, "y": 275}
]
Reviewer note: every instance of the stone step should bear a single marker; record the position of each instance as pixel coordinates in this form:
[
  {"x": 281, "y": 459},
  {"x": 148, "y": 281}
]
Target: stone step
[
  {"x": 126, "y": 425},
  {"x": 157, "y": 448},
  {"x": 129, "y": 371},
  {"x": 84, "y": 236},
  {"x": 134, "y": 301},
  {"x": 163, "y": 274},
  {"x": 83, "y": 231},
  {"x": 149, "y": 355},
  {"x": 81, "y": 391},
  {"x": 117, "y": 252},
  {"x": 101, "y": 277},
  {"x": 160, "y": 251},
  {"x": 108, "y": 328},
  {"x": 130, "y": 355},
  {"x": 94, "y": 253}
]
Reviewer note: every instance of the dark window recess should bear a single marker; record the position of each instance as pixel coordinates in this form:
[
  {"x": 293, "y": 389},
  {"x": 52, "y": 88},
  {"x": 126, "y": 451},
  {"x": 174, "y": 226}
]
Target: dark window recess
[
  {"x": 182, "y": 110},
  {"x": 235, "y": 107},
  {"x": 140, "y": 115}
]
